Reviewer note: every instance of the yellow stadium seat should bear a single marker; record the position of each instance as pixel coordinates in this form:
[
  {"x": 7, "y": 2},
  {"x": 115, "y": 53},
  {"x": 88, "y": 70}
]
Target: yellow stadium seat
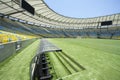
[{"x": 9, "y": 37}]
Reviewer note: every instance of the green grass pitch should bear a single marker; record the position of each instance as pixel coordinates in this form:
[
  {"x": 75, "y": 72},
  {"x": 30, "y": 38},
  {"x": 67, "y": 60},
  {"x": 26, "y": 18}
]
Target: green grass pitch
[{"x": 99, "y": 57}]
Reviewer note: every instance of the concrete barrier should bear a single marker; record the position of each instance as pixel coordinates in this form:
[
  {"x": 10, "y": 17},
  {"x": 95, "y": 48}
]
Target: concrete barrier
[{"x": 6, "y": 50}]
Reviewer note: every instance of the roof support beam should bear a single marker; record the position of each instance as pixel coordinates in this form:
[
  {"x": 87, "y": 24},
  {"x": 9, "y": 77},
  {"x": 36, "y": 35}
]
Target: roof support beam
[{"x": 15, "y": 12}]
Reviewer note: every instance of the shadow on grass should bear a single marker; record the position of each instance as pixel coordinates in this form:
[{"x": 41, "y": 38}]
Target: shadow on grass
[{"x": 75, "y": 62}]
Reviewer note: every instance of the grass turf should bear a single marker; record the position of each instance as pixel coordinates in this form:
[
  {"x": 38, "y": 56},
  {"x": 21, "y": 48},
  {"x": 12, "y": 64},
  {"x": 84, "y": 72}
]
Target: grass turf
[
  {"x": 17, "y": 66},
  {"x": 100, "y": 57}
]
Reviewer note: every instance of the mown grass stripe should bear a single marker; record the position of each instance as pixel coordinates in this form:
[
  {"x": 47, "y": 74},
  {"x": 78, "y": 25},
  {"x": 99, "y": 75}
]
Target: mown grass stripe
[{"x": 80, "y": 66}]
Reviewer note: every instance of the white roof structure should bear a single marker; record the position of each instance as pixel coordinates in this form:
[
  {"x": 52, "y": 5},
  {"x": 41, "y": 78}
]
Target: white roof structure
[{"x": 46, "y": 16}]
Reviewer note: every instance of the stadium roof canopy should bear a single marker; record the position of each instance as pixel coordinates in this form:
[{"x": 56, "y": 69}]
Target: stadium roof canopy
[{"x": 43, "y": 14}]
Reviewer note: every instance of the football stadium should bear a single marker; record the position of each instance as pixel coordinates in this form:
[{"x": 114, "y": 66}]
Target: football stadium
[{"x": 37, "y": 43}]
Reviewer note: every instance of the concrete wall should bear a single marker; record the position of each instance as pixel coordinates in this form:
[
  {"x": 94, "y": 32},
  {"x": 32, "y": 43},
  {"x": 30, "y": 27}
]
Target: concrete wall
[{"x": 6, "y": 50}]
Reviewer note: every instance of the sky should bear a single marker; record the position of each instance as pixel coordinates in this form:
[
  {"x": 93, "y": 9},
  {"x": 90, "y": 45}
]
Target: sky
[{"x": 84, "y": 8}]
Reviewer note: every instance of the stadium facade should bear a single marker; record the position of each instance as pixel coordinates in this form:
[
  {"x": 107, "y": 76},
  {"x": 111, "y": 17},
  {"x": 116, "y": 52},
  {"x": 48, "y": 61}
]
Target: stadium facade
[{"x": 48, "y": 23}]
